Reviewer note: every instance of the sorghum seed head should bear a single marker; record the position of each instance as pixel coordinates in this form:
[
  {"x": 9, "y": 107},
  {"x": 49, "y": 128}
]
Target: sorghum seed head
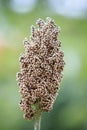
[{"x": 41, "y": 68}]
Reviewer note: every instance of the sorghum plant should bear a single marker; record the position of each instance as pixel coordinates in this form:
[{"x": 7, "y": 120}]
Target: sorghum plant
[{"x": 41, "y": 70}]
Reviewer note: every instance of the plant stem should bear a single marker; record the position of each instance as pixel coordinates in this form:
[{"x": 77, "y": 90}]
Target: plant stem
[{"x": 37, "y": 123}]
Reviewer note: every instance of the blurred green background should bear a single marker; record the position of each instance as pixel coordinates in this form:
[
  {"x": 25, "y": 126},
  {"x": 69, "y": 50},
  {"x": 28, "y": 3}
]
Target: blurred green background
[{"x": 16, "y": 17}]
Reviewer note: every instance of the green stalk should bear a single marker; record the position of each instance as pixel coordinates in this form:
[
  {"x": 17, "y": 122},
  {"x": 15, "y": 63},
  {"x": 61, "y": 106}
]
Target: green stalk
[
  {"x": 37, "y": 117},
  {"x": 37, "y": 122}
]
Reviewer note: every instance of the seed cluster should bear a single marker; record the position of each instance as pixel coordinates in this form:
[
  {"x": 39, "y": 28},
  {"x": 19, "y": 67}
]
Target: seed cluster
[{"x": 41, "y": 68}]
